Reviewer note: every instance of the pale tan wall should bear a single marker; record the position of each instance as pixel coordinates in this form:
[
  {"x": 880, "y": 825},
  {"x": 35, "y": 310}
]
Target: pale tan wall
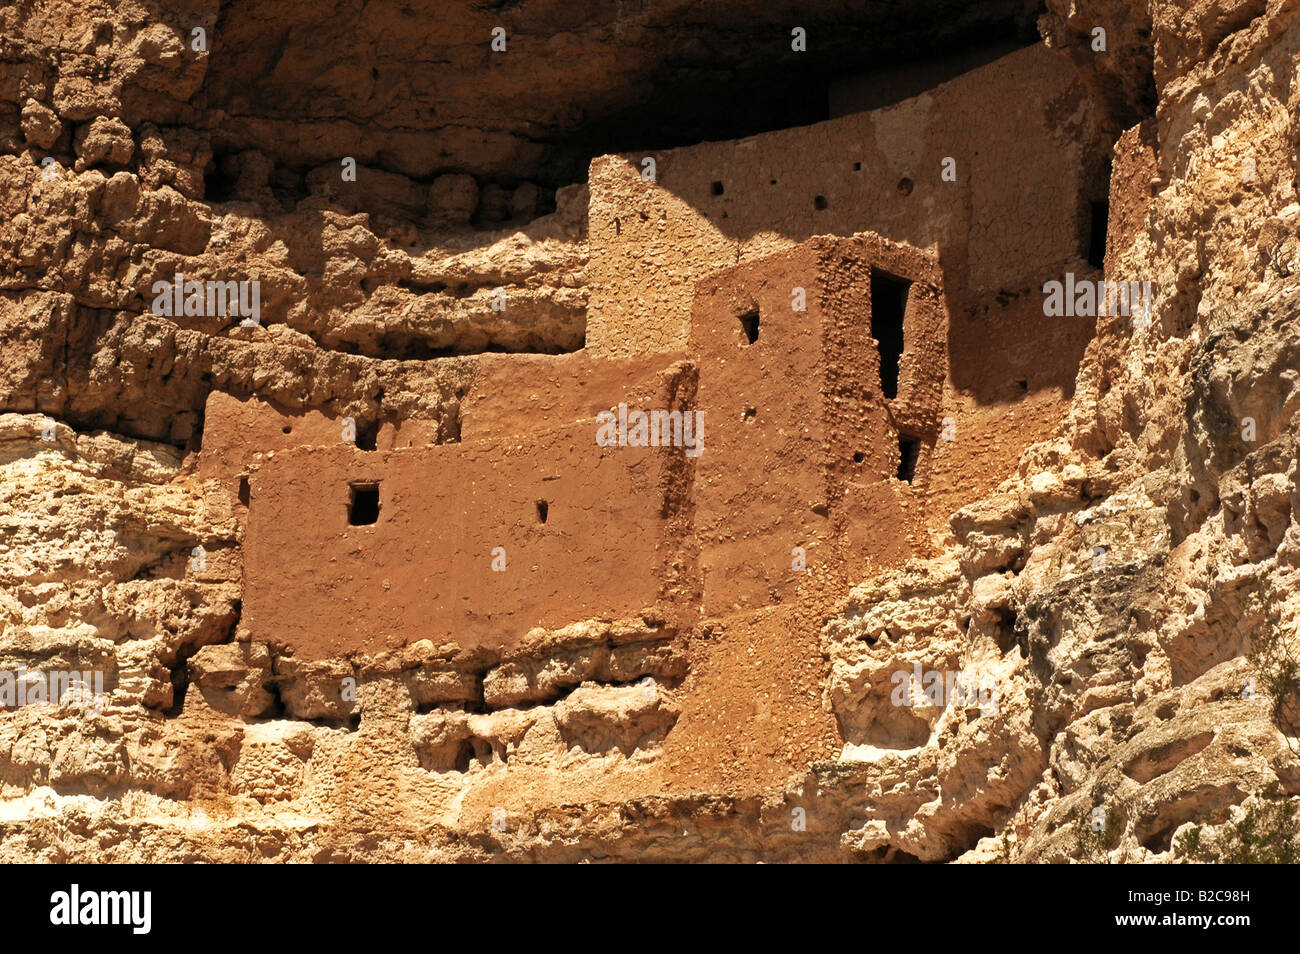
[{"x": 1014, "y": 209}]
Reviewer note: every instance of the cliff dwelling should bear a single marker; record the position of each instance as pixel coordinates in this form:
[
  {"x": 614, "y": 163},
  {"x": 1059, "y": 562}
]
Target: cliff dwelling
[
  {"x": 823, "y": 370},
  {"x": 670, "y": 432}
]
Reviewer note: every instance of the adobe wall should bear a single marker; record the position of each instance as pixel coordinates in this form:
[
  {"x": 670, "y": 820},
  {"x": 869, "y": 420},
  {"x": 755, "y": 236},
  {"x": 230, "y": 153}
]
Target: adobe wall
[
  {"x": 882, "y": 519},
  {"x": 1135, "y": 169},
  {"x": 423, "y": 570},
  {"x": 317, "y": 584},
  {"x": 801, "y": 449},
  {"x": 1011, "y": 376},
  {"x": 520, "y": 394},
  {"x": 796, "y": 418},
  {"x": 508, "y": 394},
  {"x": 1015, "y": 210},
  {"x": 236, "y": 429}
]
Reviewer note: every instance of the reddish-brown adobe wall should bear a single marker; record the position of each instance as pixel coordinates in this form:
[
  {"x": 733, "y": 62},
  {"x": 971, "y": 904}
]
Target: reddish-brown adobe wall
[
  {"x": 797, "y": 415},
  {"x": 424, "y": 568}
]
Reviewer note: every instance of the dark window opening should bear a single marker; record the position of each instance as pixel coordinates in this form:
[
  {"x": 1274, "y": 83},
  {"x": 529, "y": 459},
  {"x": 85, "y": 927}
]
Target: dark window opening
[
  {"x": 717, "y": 188},
  {"x": 819, "y": 203},
  {"x": 1097, "y": 234},
  {"x": 909, "y": 452},
  {"x": 857, "y": 167},
  {"x": 771, "y": 182},
  {"x": 1023, "y": 384},
  {"x": 363, "y": 505},
  {"x": 888, "y": 306},
  {"x": 244, "y": 494},
  {"x": 543, "y": 510},
  {"x": 749, "y": 322},
  {"x": 367, "y": 436}
]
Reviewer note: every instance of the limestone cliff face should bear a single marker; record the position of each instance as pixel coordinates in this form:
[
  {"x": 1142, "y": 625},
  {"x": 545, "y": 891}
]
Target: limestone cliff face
[{"x": 1105, "y": 571}]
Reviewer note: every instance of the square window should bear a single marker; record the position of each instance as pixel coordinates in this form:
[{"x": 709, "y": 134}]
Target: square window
[{"x": 363, "y": 504}]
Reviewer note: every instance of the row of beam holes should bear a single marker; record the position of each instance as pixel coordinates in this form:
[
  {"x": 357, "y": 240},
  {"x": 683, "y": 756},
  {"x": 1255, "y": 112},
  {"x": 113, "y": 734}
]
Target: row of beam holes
[
  {"x": 363, "y": 505},
  {"x": 905, "y": 186},
  {"x": 367, "y": 436}
]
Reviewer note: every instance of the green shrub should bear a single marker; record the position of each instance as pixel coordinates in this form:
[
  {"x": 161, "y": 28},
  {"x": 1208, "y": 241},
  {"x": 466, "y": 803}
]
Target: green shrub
[
  {"x": 1265, "y": 831},
  {"x": 1091, "y": 846},
  {"x": 1275, "y": 657}
]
